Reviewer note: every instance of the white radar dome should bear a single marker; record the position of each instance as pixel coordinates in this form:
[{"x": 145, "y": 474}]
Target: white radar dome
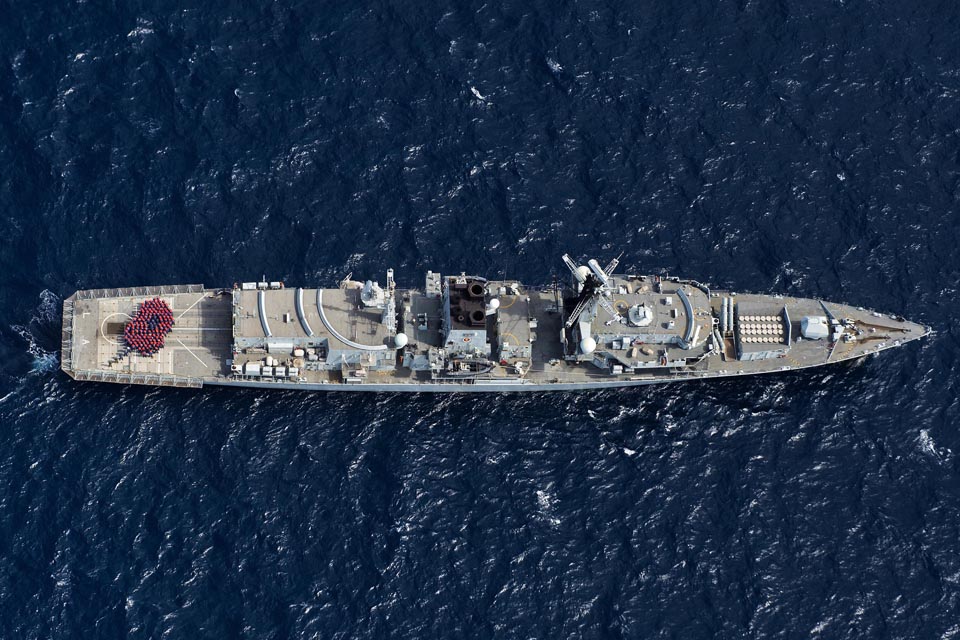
[
  {"x": 587, "y": 345},
  {"x": 583, "y": 270},
  {"x": 400, "y": 340},
  {"x": 494, "y": 304}
]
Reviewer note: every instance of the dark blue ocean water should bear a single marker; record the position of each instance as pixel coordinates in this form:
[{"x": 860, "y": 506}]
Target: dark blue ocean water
[{"x": 809, "y": 148}]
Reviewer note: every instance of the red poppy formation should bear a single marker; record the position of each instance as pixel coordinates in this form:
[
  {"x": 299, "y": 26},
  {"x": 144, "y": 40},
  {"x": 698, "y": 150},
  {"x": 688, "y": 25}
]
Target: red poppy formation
[{"x": 145, "y": 333}]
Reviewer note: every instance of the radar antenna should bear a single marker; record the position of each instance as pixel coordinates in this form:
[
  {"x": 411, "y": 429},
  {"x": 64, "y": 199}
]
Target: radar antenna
[
  {"x": 595, "y": 289},
  {"x": 612, "y": 265},
  {"x": 582, "y": 303},
  {"x": 574, "y": 269}
]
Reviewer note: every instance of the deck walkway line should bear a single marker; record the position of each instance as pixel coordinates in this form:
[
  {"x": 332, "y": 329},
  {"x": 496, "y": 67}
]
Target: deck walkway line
[
  {"x": 336, "y": 334},
  {"x": 302, "y": 315}
]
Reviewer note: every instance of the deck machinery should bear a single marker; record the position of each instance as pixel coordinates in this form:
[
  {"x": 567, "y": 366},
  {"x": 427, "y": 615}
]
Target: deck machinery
[{"x": 463, "y": 332}]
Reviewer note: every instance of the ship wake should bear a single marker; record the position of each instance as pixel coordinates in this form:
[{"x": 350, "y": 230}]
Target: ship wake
[{"x": 41, "y": 334}]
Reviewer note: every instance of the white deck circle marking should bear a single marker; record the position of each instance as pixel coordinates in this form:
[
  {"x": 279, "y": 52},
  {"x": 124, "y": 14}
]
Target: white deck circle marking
[{"x": 107, "y": 317}]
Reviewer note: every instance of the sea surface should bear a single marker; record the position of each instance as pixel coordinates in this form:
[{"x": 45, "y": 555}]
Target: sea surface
[{"x": 809, "y": 148}]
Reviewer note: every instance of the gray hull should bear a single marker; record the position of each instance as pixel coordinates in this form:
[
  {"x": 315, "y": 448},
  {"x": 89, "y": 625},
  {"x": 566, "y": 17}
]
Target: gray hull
[{"x": 464, "y": 334}]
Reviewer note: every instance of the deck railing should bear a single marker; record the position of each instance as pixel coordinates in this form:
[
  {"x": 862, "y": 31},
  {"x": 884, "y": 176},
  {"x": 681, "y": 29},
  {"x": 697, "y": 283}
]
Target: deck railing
[
  {"x": 66, "y": 336},
  {"x": 139, "y": 378},
  {"x": 129, "y": 292}
]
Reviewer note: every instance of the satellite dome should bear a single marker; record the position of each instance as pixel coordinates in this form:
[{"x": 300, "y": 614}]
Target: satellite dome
[
  {"x": 494, "y": 304},
  {"x": 400, "y": 340},
  {"x": 587, "y": 345},
  {"x": 583, "y": 270}
]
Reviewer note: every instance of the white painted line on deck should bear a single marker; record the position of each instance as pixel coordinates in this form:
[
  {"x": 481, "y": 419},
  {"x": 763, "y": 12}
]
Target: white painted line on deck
[
  {"x": 103, "y": 333},
  {"x": 192, "y": 353},
  {"x": 192, "y": 306}
]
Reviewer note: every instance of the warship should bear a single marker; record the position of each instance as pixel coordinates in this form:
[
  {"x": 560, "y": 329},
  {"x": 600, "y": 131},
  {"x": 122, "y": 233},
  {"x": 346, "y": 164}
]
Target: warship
[{"x": 596, "y": 329}]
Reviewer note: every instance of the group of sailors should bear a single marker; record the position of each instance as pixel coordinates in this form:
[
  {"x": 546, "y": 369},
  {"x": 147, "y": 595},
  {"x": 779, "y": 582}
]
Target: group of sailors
[{"x": 145, "y": 333}]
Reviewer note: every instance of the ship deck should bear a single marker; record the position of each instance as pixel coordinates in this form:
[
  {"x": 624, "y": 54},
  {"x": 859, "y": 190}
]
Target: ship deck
[
  {"x": 197, "y": 347},
  {"x": 275, "y": 315},
  {"x": 200, "y": 348}
]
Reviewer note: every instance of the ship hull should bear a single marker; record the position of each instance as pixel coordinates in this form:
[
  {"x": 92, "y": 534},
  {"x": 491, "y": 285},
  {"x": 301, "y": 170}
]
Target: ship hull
[
  {"x": 327, "y": 340},
  {"x": 532, "y": 387}
]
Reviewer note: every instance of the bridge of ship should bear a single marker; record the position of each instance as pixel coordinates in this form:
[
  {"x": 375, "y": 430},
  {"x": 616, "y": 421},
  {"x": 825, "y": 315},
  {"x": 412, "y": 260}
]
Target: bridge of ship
[{"x": 680, "y": 314}]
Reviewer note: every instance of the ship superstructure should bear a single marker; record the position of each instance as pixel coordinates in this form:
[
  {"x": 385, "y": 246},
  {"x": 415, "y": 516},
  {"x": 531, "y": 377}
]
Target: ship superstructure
[{"x": 465, "y": 333}]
